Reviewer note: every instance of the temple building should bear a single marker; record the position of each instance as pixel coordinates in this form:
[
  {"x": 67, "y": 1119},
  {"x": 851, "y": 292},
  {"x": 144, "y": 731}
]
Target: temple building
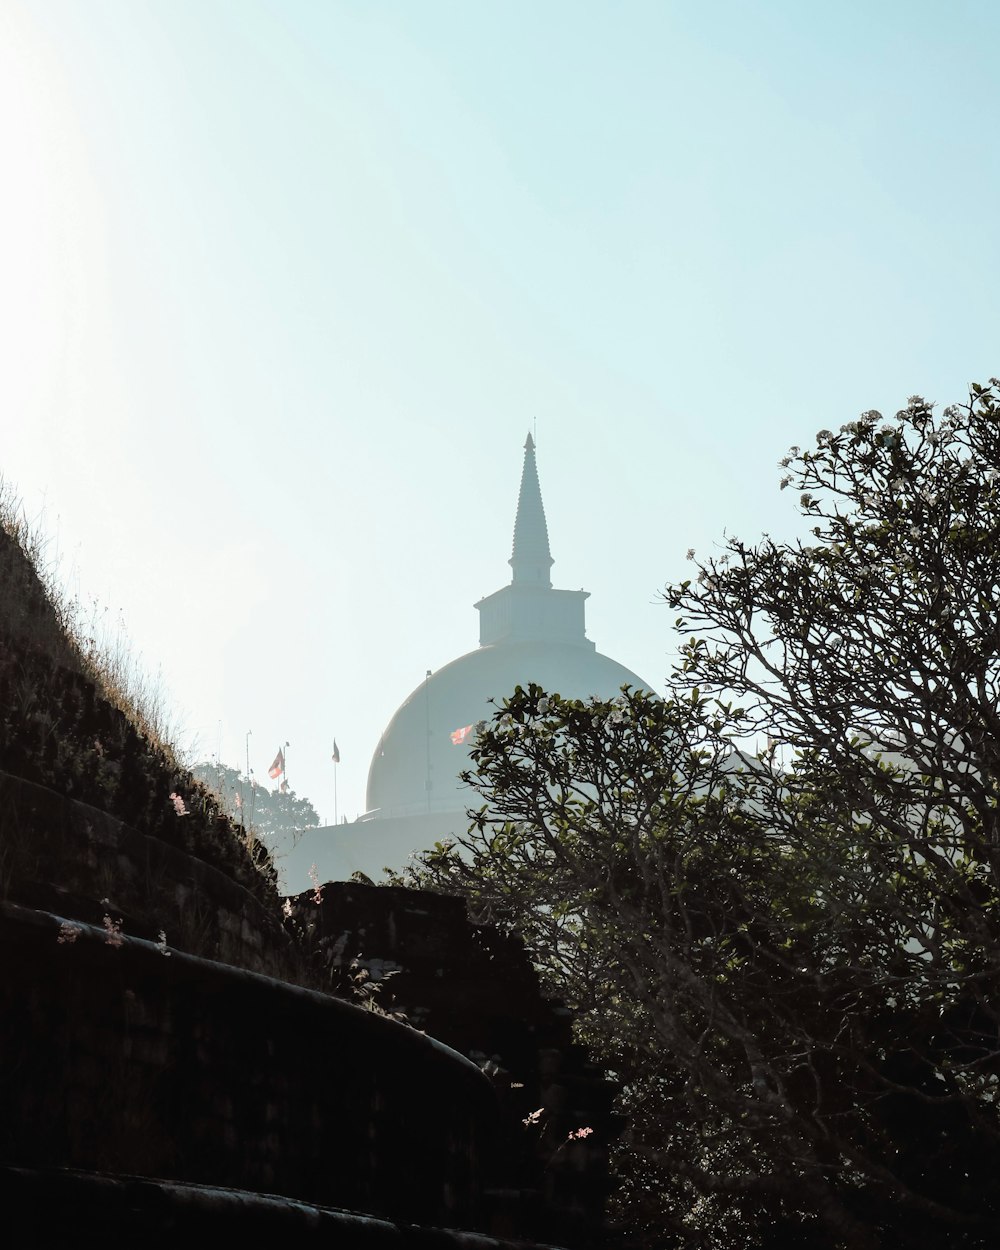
[{"x": 528, "y": 632}]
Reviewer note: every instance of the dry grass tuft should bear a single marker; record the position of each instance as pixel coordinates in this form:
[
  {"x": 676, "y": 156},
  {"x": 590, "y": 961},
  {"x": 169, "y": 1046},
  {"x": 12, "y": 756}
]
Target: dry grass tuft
[
  {"x": 38, "y": 614},
  {"x": 79, "y": 715}
]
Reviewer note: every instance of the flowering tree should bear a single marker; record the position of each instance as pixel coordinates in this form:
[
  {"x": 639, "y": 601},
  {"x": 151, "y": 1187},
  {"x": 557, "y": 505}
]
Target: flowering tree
[{"x": 790, "y": 953}]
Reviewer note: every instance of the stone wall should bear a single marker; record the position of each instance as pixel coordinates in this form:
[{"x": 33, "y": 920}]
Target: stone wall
[
  {"x": 120, "y": 1057},
  {"x": 46, "y": 1207},
  {"x": 64, "y": 855}
]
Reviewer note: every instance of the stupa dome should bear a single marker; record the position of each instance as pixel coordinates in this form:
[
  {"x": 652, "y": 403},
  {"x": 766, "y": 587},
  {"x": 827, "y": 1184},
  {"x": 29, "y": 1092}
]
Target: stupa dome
[
  {"x": 528, "y": 632},
  {"x": 416, "y": 764}
]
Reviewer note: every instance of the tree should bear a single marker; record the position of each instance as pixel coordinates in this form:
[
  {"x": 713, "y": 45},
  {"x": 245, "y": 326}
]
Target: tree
[
  {"x": 789, "y": 953},
  {"x": 273, "y": 815}
]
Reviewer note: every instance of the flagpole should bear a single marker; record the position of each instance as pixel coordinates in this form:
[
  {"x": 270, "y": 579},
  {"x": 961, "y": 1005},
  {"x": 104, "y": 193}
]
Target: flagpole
[
  {"x": 427, "y": 720},
  {"x": 243, "y": 801},
  {"x": 335, "y": 816}
]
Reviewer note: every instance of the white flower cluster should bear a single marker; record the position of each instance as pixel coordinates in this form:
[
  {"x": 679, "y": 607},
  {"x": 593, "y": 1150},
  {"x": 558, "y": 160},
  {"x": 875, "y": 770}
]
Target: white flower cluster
[{"x": 619, "y": 711}]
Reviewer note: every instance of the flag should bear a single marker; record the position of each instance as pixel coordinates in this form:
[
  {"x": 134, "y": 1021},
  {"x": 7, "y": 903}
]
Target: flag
[
  {"x": 336, "y": 752},
  {"x": 278, "y": 767},
  {"x": 459, "y": 735}
]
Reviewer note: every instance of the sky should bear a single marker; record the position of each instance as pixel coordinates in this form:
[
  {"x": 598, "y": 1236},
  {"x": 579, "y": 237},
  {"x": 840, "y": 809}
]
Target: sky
[{"x": 284, "y": 284}]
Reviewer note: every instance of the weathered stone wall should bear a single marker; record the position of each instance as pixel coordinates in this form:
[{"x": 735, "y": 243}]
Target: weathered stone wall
[
  {"x": 66, "y": 856},
  {"x": 58, "y": 730},
  {"x": 125, "y": 1059},
  {"x": 45, "y": 1207}
]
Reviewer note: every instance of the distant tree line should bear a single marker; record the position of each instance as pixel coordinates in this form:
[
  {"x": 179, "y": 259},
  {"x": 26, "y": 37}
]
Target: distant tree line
[{"x": 271, "y": 815}]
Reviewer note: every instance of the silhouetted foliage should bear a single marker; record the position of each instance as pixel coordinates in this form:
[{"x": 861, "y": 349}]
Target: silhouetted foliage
[{"x": 790, "y": 954}]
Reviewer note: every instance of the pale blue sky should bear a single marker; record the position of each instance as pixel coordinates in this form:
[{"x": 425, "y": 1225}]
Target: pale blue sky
[{"x": 285, "y": 284}]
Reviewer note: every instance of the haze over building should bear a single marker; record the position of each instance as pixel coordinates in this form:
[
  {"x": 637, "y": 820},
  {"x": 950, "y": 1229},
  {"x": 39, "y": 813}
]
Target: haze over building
[{"x": 528, "y": 632}]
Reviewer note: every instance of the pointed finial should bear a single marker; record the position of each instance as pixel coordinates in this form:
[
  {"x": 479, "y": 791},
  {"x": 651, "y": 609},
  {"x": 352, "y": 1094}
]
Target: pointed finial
[{"x": 530, "y": 558}]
